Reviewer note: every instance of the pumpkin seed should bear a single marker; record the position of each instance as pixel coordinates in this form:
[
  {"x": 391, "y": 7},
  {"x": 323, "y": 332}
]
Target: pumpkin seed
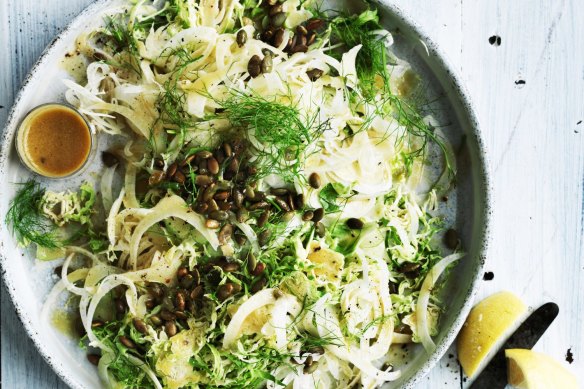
[
  {"x": 318, "y": 214},
  {"x": 219, "y": 215},
  {"x": 93, "y": 359},
  {"x": 310, "y": 38},
  {"x": 249, "y": 192},
  {"x": 251, "y": 262},
  {"x": 196, "y": 292},
  {"x": 156, "y": 177},
  {"x": 203, "y": 180},
  {"x": 258, "y": 285},
  {"x": 314, "y": 180},
  {"x": 167, "y": 315},
  {"x": 355, "y": 224},
  {"x": 315, "y": 24},
  {"x": 451, "y": 239},
  {"x": 204, "y": 154},
  {"x": 179, "y": 177},
  {"x": 180, "y": 301},
  {"x": 140, "y": 326},
  {"x": 230, "y": 267},
  {"x": 314, "y": 74},
  {"x": 237, "y": 198},
  {"x": 225, "y": 233},
  {"x": 126, "y": 342},
  {"x": 155, "y": 319},
  {"x": 170, "y": 328},
  {"x": 254, "y": 66},
  {"x": 320, "y": 229},
  {"x": 275, "y": 9},
  {"x": 241, "y": 38},
  {"x": 264, "y": 238},
  {"x": 301, "y": 30},
  {"x": 282, "y": 204},
  {"x": 213, "y": 166},
  {"x": 182, "y": 271},
  {"x": 259, "y": 269},
  {"x": 225, "y": 291},
  {"x": 171, "y": 170},
  {"x": 278, "y": 19},
  {"x": 263, "y": 219},
  {"x": 299, "y": 201},
  {"x": 311, "y": 367},
  {"x": 187, "y": 281},
  {"x": 242, "y": 216},
  {"x": 279, "y": 191},
  {"x": 212, "y": 206},
  {"x": 259, "y": 205},
  {"x": 300, "y": 48},
  {"x": 222, "y": 196}
]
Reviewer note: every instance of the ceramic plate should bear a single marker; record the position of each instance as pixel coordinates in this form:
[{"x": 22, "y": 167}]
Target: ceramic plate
[{"x": 28, "y": 281}]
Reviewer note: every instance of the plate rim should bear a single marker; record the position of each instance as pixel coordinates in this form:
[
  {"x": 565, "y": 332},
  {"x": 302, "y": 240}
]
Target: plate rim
[{"x": 456, "y": 83}]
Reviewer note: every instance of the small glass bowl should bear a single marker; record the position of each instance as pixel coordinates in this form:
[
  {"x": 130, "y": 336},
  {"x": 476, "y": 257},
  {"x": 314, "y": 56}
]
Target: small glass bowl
[{"x": 22, "y": 133}]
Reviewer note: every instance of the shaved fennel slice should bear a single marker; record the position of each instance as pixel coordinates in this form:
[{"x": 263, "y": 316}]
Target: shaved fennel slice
[
  {"x": 108, "y": 357},
  {"x": 258, "y": 300},
  {"x": 84, "y": 252},
  {"x": 328, "y": 325},
  {"x": 130, "y": 200},
  {"x": 68, "y": 284},
  {"x": 111, "y": 219},
  {"x": 424, "y": 298},
  {"x": 106, "y": 184},
  {"x": 249, "y": 234},
  {"x": 60, "y": 287},
  {"x": 144, "y": 367},
  {"x": 88, "y": 304},
  {"x": 282, "y": 306},
  {"x": 349, "y": 67},
  {"x": 162, "y": 269},
  {"x": 444, "y": 182},
  {"x": 168, "y": 207},
  {"x": 385, "y": 338}
]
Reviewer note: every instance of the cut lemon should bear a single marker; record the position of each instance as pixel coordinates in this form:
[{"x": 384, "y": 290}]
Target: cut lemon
[
  {"x": 531, "y": 370},
  {"x": 488, "y": 324}
]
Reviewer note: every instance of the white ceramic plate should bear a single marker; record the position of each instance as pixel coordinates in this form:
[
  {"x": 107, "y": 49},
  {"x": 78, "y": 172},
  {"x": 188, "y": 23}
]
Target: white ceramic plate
[{"x": 28, "y": 281}]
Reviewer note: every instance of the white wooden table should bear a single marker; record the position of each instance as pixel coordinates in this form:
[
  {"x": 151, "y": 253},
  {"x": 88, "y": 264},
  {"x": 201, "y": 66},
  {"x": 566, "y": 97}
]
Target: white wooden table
[{"x": 529, "y": 94}]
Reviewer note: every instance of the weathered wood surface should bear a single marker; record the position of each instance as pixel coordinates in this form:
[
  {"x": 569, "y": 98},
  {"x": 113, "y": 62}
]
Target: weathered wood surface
[{"x": 529, "y": 96}]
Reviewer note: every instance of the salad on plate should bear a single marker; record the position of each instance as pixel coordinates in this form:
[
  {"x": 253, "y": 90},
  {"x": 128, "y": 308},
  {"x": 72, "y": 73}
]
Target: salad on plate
[{"x": 266, "y": 210}]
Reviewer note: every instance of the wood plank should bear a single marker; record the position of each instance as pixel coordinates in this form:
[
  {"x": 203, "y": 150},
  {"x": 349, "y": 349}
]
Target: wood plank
[
  {"x": 27, "y": 27},
  {"x": 536, "y": 151}
]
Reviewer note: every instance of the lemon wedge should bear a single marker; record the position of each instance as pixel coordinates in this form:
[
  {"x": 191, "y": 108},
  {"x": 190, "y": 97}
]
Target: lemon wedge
[
  {"x": 488, "y": 324},
  {"x": 532, "y": 370}
]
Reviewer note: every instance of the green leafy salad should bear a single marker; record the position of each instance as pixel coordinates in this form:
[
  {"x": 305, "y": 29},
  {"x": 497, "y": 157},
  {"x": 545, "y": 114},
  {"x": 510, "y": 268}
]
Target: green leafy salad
[{"x": 266, "y": 212}]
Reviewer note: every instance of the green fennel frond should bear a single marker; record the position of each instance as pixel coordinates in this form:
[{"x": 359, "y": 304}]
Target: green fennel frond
[{"x": 26, "y": 219}]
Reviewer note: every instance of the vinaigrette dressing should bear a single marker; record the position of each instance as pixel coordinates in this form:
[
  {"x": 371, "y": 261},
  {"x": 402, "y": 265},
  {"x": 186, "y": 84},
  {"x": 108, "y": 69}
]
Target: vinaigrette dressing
[{"x": 54, "y": 141}]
